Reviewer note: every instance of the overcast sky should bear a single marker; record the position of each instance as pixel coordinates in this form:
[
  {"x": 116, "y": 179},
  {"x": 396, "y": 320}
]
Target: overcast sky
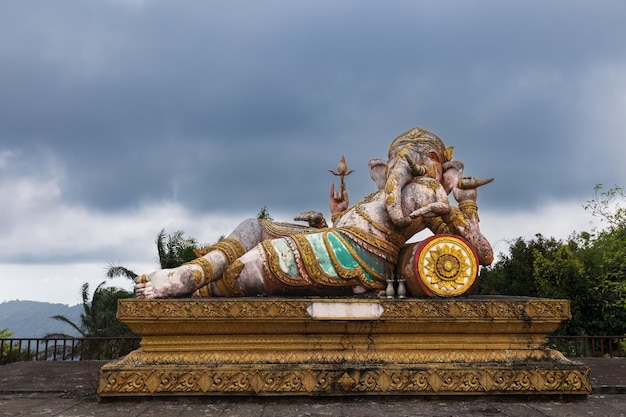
[{"x": 120, "y": 118}]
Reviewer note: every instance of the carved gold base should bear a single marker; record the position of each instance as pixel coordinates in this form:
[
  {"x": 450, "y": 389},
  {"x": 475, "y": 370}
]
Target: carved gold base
[{"x": 278, "y": 346}]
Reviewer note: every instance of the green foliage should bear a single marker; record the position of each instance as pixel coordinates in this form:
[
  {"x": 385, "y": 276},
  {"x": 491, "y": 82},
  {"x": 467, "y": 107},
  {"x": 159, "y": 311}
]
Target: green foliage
[
  {"x": 608, "y": 205},
  {"x": 513, "y": 273},
  {"x": 612, "y": 297},
  {"x": 120, "y": 271},
  {"x": 557, "y": 273},
  {"x": 563, "y": 275},
  {"x": 589, "y": 269},
  {"x": 174, "y": 249},
  {"x": 4, "y": 355},
  {"x": 11, "y": 351},
  {"x": 264, "y": 214},
  {"x": 99, "y": 316}
]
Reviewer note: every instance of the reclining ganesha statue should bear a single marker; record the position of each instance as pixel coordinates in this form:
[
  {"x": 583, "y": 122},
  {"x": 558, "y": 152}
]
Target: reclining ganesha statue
[{"x": 365, "y": 249}]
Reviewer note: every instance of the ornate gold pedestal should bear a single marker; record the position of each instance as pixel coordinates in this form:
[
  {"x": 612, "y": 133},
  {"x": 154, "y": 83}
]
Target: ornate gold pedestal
[{"x": 318, "y": 346}]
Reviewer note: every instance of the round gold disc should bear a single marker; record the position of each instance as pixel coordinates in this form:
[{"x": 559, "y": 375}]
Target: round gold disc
[{"x": 447, "y": 266}]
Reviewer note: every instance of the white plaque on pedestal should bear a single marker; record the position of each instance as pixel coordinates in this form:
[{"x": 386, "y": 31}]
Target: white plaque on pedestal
[{"x": 345, "y": 311}]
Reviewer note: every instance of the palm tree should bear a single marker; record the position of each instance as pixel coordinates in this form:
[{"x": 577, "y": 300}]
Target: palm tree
[
  {"x": 98, "y": 320},
  {"x": 173, "y": 250},
  {"x": 98, "y": 316}
]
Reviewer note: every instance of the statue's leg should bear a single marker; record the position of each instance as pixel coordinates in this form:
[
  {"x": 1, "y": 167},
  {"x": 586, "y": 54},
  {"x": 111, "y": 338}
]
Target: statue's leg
[
  {"x": 244, "y": 277},
  {"x": 196, "y": 274},
  {"x": 277, "y": 267}
]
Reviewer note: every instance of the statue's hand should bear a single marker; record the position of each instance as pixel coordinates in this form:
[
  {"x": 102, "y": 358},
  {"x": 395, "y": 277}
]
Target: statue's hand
[
  {"x": 466, "y": 188},
  {"x": 436, "y": 208},
  {"x": 339, "y": 202},
  {"x": 314, "y": 218},
  {"x": 464, "y": 195}
]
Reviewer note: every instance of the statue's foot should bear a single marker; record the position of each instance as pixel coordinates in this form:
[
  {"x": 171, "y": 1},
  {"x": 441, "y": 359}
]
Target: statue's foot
[
  {"x": 143, "y": 287},
  {"x": 167, "y": 283}
]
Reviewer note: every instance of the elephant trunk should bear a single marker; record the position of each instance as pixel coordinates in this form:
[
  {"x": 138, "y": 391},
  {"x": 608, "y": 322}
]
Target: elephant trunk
[{"x": 400, "y": 173}]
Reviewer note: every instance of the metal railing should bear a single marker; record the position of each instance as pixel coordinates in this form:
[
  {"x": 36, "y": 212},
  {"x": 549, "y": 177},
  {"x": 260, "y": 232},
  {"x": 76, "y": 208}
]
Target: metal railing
[
  {"x": 108, "y": 348},
  {"x": 589, "y": 346},
  {"x": 65, "y": 349}
]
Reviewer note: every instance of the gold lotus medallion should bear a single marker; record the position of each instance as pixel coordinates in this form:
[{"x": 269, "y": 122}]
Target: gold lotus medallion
[{"x": 447, "y": 266}]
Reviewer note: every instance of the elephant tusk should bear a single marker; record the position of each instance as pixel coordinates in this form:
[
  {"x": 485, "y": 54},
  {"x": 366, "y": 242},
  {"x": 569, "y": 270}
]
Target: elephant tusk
[
  {"x": 417, "y": 170},
  {"x": 467, "y": 183}
]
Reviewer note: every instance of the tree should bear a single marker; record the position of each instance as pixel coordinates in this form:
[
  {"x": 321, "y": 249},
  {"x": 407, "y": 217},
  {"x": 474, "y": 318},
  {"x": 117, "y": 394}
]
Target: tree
[
  {"x": 98, "y": 318},
  {"x": 608, "y": 205},
  {"x": 10, "y": 352},
  {"x": 264, "y": 214},
  {"x": 174, "y": 249},
  {"x": 99, "y": 314},
  {"x": 561, "y": 274},
  {"x": 589, "y": 269},
  {"x": 607, "y": 258},
  {"x": 513, "y": 273},
  {"x": 4, "y": 354}
]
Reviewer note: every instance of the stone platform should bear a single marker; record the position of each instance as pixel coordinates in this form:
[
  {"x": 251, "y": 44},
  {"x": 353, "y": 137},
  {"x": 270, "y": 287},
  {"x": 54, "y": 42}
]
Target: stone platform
[{"x": 323, "y": 346}]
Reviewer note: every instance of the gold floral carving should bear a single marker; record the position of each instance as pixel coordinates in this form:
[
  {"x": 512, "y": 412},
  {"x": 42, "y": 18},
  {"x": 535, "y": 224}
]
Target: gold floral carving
[
  {"x": 447, "y": 266},
  {"x": 330, "y": 381},
  {"x": 264, "y": 308}
]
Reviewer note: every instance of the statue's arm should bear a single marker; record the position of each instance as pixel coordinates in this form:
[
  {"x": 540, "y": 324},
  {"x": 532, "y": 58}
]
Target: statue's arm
[
  {"x": 338, "y": 203},
  {"x": 313, "y": 218},
  {"x": 469, "y": 227}
]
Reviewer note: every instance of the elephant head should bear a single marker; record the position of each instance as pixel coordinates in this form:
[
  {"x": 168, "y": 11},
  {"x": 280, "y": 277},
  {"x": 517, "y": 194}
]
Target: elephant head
[{"x": 415, "y": 153}]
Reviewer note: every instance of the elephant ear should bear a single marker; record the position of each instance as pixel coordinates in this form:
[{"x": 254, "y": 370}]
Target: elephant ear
[
  {"x": 447, "y": 155},
  {"x": 378, "y": 171},
  {"x": 456, "y": 164}
]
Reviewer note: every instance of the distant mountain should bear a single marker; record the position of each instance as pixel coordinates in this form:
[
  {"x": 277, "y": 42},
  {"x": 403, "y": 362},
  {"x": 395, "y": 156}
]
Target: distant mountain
[{"x": 32, "y": 318}]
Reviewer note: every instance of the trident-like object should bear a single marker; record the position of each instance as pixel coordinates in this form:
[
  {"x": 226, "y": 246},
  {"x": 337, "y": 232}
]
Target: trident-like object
[{"x": 342, "y": 171}]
